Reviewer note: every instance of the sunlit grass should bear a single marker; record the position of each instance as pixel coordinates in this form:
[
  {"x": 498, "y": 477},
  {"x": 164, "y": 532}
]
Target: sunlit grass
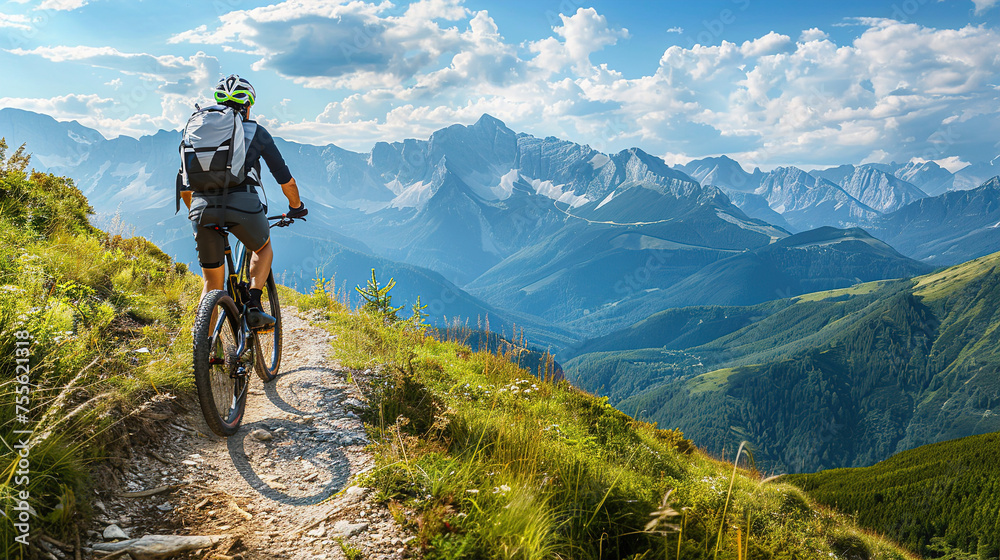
[
  {"x": 856, "y": 290},
  {"x": 483, "y": 460},
  {"x": 711, "y": 381},
  {"x": 940, "y": 284},
  {"x": 109, "y": 320}
]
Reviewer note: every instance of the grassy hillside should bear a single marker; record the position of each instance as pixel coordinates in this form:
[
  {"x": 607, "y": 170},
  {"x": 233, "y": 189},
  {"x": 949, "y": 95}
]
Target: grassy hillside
[
  {"x": 935, "y": 499},
  {"x": 483, "y": 460},
  {"x": 833, "y": 379},
  {"x": 107, "y": 322}
]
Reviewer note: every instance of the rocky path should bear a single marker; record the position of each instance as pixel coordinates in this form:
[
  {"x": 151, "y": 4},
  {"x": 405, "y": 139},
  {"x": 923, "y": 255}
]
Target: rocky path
[{"x": 282, "y": 487}]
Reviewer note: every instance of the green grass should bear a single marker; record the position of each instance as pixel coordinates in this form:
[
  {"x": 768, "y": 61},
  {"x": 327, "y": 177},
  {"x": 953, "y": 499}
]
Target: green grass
[
  {"x": 711, "y": 381},
  {"x": 941, "y": 284},
  {"x": 350, "y": 551},
  {"x": 109, "y": 321},
  {"x": 858, "y": 289},
  {"x": 483, "y": 460}
]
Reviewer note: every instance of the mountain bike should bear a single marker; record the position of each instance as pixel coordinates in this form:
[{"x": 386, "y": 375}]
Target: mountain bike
[{"x": 226, "y": 349}]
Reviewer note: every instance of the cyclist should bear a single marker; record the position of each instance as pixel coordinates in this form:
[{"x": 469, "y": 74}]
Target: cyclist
[{"x": 245, "y": 215}]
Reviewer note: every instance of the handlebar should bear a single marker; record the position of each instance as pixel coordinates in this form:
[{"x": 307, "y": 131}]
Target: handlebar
[{"x": 283, "y": 220}]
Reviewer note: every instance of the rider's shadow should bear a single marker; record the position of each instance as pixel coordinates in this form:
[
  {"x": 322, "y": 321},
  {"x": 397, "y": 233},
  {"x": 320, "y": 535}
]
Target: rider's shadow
[
  {"x": 325, "y": 454},
  {"x": 271, "y": 390}
]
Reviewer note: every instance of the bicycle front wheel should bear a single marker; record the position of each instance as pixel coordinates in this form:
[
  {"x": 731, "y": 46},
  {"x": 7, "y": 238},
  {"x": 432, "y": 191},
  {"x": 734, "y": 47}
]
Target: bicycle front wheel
[
  {"x": 222, "y": 392},
  {"x": 269, "y": 342}
]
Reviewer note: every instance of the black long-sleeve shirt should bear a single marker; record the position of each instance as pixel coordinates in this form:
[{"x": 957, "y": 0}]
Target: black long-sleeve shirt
[{"x": 260, "y": 144}]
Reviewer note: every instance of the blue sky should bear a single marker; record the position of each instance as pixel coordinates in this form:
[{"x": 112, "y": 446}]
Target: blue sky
[{"x": 768, "y": 82}]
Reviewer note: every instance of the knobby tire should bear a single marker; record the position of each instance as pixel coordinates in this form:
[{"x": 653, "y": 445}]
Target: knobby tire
[{"x": 223, "y": 395}]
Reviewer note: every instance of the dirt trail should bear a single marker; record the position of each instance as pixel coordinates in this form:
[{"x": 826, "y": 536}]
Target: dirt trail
[{"x": 282, "y": 487}]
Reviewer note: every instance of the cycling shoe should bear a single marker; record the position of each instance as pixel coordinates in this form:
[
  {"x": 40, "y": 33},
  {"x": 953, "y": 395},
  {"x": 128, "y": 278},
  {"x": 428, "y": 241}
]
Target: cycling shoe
[{"x": 258, "y": 320}]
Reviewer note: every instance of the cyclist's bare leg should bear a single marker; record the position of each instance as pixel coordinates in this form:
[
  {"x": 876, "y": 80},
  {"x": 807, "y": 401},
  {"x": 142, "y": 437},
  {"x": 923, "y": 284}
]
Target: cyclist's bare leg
[
  {"x": 260, "y": 266},
  {"x": 215, "y": 279}
]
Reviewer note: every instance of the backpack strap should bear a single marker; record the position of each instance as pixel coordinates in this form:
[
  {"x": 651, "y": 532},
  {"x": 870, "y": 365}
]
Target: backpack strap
[
  {"x": 182, "y": 172},
  {"x": 177, "y": 195}
]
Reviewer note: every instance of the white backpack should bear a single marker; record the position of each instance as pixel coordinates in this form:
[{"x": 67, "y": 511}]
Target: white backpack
[{"x": 213, "y": 151}]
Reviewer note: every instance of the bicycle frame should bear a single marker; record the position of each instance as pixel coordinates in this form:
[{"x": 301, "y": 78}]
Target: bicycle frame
[
  {"x": 241, "y": 295},
  {"x": 239, "y": 291}
]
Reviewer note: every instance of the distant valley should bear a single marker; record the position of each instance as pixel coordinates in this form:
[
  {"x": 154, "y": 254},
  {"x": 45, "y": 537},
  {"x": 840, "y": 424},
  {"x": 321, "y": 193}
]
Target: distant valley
[{"x": 830, "y": 379}]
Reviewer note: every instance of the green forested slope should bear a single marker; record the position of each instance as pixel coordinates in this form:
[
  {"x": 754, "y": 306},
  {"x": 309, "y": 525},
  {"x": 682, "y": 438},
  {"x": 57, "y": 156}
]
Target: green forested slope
[
  {"x": 834, "y": 379},
  {"x": 932, "y": 498}
]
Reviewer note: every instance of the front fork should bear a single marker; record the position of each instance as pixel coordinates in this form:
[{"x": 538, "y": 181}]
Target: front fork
[{"x": 244, "y": 354}]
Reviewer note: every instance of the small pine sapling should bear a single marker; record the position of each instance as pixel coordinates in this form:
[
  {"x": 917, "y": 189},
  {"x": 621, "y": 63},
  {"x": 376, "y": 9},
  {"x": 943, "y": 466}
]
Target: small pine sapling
[
  {"x": 419, "y": 316},
  {"x": 378, "y": 300}
]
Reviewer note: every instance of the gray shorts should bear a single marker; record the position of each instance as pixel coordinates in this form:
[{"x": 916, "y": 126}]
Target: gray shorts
[{"x": 246, "y": 218}]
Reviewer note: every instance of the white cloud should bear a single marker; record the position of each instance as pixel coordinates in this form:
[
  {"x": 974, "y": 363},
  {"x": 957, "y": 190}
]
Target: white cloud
[
  {"x": 485, "y": 59},
  {"x": 900, "y": 88},
  {"x": 103, "y": 114},
  {"x": 71, "y": 105},
  {"x": 583, "y": 34},
  {"x": 676, "y": 30},
  {"x": 897, "y": 91},
  {"x": 451, "y": 10},
  {"x": 62, "y": 5},
  {"x": 86, "y": 109},
  {"x": 813, "y": 34},
  {"x": 983, "y": 5},
  {"x": 167, "y": 68},
  {"x": 357, "y": 45},
  {"x": 15, "y": 21},
  {"x": 772, "y": 43},
  {"x": 173, "y": 82},
  {"x": 877, "y": 156}
]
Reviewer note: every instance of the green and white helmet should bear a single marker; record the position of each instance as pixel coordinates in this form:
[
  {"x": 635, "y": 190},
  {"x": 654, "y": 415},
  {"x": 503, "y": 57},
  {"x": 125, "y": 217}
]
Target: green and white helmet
[{"x": 235, "y": 89}]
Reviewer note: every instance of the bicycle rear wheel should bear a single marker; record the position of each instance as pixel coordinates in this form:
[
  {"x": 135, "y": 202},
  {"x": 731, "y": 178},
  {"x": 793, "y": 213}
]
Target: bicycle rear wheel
[
  {"x": 221, "y": 392},
  {"x": 269, "y": 342},
  {"x": 266, "y": 342}
]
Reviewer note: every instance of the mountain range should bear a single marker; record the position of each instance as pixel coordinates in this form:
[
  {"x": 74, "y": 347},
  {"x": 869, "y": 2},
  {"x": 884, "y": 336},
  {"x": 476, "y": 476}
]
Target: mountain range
[
  {"x": 554, "y": 236},
  {"x": 946, "y": 229}
]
